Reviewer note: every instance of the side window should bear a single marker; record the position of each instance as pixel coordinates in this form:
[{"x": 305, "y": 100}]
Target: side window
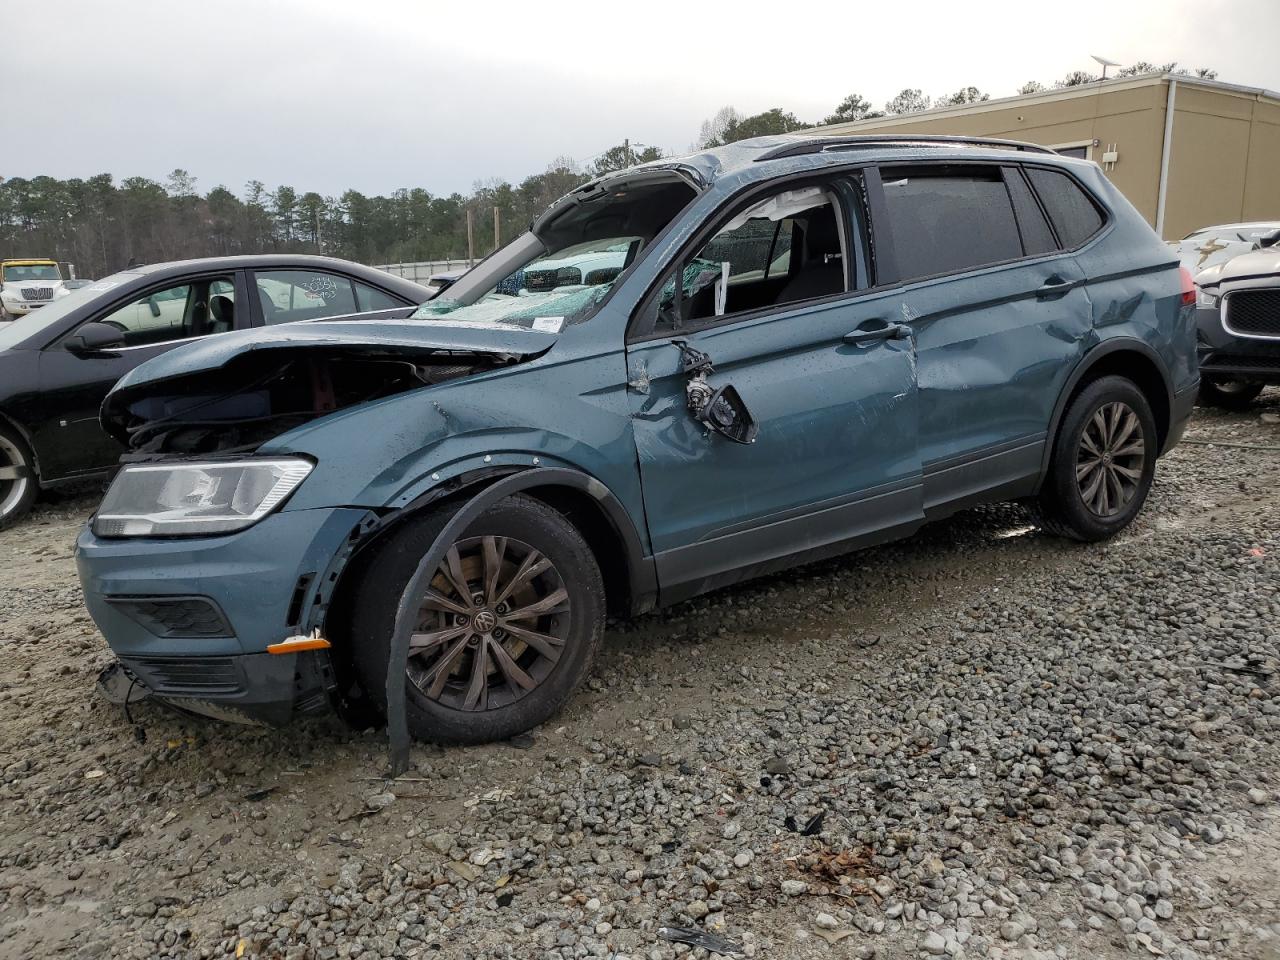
[
  {"x": 1075, "y": 217},
  {"x": 287, "y": 296},
  {"x": 783, "y": 249},
  {"x": 947, "y": 219},
  {"x": 371, "y": 298},
  {"x": 176, "y": 313},
  {"x": 1037, "y": 238}
]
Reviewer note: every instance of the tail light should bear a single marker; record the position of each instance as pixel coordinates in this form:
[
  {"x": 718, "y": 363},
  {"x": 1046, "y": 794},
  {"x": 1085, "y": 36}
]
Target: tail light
[{"x": 1188, "y": 287}]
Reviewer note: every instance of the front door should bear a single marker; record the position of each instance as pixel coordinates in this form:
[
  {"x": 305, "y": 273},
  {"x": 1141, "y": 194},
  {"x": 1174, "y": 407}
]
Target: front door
[
  {"x": 828, "y": 377},
  {"x": 70, "y": 440}
]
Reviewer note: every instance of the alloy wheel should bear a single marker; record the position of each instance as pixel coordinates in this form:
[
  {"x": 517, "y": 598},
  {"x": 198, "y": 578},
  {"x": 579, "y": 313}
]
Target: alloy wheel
[
  {"x": 1110, "y": 459},
  {"x": 492, "y": 626},
  {"x": 15, "y": 476}
]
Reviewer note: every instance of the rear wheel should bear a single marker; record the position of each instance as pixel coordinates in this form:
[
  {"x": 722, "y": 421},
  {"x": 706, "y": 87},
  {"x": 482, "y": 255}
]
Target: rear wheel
[
  {"x": 1103, "y": 461},
  {"x": 1228, "y": 394},
  {"x": 18, "y": 485},
  {"x": 505, "y": 631}
]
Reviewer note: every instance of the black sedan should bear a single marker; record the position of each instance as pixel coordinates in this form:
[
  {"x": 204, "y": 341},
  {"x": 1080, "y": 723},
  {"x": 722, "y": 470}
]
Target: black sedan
[{"x": 57, "y": 364}]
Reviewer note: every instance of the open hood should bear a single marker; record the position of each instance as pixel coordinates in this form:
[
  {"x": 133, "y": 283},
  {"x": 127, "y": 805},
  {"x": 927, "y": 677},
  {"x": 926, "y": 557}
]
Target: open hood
[{"x": 277, "y": 376}]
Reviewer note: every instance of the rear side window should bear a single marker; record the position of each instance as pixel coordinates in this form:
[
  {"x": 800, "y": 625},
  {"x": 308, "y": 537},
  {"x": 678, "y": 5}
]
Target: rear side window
[
  {"x": 371, "y": 298},
  {"x": 944, "y": 220},
  {"x": 1075, "y": 217}
]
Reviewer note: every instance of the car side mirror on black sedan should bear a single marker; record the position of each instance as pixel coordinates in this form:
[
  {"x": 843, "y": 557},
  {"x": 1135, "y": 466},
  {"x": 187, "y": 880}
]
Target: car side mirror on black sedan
[
  {"x": 1270, "y": 240},
  {"x": 94, "y": 338}
]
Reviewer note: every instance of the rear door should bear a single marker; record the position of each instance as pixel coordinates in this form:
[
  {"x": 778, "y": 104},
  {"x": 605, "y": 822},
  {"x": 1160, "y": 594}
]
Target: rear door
[
  {"x": 1000, "y": 317},
  {"x": 777, "y": 298},
  {"x": 70, "y": 440}
]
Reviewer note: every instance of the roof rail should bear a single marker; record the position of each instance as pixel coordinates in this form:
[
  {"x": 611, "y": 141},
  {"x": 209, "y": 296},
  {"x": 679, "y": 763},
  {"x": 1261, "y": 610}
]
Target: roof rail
[{"x": 823, "y": 144}]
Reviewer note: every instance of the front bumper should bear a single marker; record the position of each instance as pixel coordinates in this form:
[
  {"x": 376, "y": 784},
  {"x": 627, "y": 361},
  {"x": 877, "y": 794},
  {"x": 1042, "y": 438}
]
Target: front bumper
[
  {"x": 262, "y": 585},
  {"x": 1227, "y": 356},
  {"x": 20, "y": 308}
]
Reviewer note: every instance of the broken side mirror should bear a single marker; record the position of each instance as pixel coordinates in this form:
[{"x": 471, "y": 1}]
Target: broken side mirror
[{"x": 725, "y": 412}]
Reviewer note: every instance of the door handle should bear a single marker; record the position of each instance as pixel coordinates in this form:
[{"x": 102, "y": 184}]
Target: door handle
[
  {"x": 1055, "y": 286},
  {"x": 870, "y": 334}
]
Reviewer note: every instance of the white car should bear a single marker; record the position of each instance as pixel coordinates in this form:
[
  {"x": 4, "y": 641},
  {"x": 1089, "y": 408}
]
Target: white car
[
  {"x": 27, "y": 285},
  {"x": 1210, "y": 246}
]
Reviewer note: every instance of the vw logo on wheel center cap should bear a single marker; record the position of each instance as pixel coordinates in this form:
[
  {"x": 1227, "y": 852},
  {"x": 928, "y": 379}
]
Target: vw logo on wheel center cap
[{"x": 485, "y": 621}]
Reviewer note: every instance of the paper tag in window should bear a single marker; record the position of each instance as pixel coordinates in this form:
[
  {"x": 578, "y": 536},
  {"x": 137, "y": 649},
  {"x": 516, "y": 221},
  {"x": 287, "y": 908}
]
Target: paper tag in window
[
  {"x": 548, "y": 324},
  {"x": 105, "y": 285}
]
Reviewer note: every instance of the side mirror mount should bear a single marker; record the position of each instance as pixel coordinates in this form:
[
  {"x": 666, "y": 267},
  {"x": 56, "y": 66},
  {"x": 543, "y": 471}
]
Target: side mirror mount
[
  {"x": 155, "y": 307},
  {"x": 94, "y": 338},
  {"x": 721, "y": 409}
]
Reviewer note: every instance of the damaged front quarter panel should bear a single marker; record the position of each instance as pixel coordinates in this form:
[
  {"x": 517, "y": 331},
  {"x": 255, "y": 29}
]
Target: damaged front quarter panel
[{"x": 233, "y": 393}]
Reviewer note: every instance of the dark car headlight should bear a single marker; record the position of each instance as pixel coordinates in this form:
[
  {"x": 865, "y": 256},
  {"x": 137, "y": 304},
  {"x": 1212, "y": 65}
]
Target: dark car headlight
[{"x": 187, "y": 498}]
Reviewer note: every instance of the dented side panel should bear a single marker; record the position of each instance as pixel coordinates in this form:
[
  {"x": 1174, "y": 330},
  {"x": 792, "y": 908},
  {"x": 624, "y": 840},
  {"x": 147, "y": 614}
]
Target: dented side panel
[{"x": 835, "y": 456}]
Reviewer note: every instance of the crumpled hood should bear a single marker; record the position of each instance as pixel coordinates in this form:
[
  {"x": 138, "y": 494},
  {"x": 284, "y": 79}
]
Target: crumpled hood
[
  {"x": 372, "y": 336},
  {"x": 1259, "y": 263}
]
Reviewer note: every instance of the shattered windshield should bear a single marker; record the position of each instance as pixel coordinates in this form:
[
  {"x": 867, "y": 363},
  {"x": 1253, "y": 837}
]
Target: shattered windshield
[
  {"x": 561, "y": 272},
  {"x": 558, "y": 288}
]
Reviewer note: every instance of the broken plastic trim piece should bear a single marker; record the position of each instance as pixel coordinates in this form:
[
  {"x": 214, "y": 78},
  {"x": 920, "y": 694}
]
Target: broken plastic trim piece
[
  {"x": 701, "y": 938},
  {"x": 300, "y": 643}
]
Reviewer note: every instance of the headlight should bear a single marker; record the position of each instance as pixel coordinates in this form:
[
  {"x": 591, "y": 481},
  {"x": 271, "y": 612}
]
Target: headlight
[
  {"x": 183, "y": 499},
  {"x": 1205, "y": 299}
]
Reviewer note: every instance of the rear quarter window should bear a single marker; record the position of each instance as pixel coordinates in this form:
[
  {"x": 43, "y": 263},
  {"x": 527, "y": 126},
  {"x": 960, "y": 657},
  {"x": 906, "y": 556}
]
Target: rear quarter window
[{"x": 1075, "y": 216}]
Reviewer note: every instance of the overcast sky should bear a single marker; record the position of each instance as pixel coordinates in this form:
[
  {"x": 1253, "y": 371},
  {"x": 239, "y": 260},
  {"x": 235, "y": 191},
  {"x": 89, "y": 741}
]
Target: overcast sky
[{"x": 379, "y": 94}]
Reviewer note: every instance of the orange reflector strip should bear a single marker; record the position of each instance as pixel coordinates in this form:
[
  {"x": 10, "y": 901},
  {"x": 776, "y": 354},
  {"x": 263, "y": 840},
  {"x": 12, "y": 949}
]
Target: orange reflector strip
[{"x": 298, "y": 644}]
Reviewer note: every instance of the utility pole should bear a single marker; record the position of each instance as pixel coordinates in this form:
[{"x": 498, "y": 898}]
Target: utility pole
[
  {"x": 497, "y": 227},
  {"x": 471, "y": 238},
  {"x": 626, "y": 146}
]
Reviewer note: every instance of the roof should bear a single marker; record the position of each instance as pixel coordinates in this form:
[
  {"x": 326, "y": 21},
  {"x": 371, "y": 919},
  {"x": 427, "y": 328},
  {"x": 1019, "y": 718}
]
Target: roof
[
  {"x": 715, "y": 163},
  {"x": 288, "y": 261},
  {"x": 1095, "y": 88}
]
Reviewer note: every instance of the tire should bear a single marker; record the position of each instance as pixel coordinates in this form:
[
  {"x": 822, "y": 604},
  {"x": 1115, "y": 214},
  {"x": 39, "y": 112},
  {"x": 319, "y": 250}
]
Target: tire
[
  {"x": 552, "y": 650},
  {"x": 18, "y": 481},
  {"x": 1094, "y": 503},
  {"x": 1228, "y": 394}
]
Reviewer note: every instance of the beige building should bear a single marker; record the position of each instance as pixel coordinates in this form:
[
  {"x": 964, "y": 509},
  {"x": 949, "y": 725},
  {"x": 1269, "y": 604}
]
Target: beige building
[{"x": 1187, "y": 153}]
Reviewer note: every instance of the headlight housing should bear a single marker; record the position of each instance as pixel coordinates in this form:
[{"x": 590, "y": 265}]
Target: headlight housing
[
  {"x": 192, "y": 498},
  {"x": 1206, "y": 299}
]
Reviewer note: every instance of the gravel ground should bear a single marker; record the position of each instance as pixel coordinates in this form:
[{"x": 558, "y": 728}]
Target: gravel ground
[{"x": 981, "y": 742}]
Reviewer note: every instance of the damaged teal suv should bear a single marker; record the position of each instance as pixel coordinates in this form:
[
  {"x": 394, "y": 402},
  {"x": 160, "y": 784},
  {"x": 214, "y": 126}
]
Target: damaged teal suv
[{"x": 683, "y": 375}]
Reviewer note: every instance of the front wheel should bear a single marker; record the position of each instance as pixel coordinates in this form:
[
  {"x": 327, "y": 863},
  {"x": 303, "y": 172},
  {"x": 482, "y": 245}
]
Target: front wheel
[
  {"x": 1103, "y": 461},
  {"x": 18, "y": 485},
  {"x": 1228, "y": 394},
  {"x": 506, "y": 630}
]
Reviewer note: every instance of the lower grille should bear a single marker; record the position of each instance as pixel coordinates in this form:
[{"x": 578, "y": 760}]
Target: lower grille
[
  {"x": 1253, "y": 313},
  {"x": 187, "y": 676},
  {"x": 1225, "y": 361},
  {"x": 37, "y": 293}
]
